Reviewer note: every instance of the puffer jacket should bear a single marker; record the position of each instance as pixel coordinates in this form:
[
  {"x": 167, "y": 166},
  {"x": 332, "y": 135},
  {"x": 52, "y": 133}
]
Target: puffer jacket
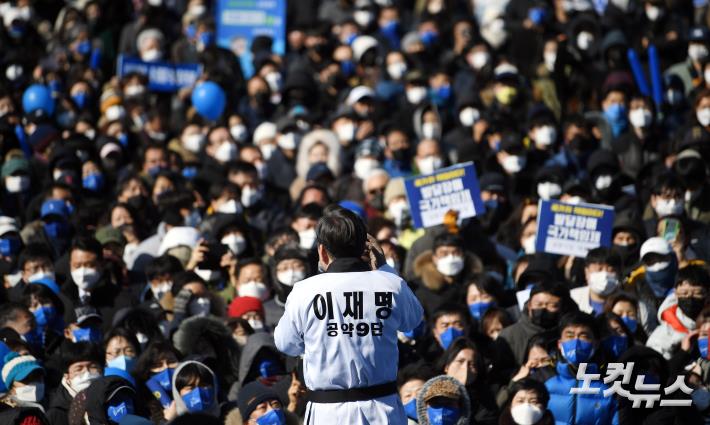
[{"x": 587, "y": 409}]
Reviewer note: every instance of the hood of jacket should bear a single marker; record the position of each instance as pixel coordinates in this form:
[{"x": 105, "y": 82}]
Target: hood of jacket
[
  {"x": 98, "y": 393},
  {"x": 671, "y": 303},
  {"x": 255, "y": 342},
  {"x": 433, "y": 279},
  {"x": 464, "y": 401},
  {"x": 180, "y": 403},
  {"x": 327, "y": 138}
]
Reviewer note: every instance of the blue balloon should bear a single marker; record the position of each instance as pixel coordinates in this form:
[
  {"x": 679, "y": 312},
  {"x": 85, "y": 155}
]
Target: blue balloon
[
  {"x": 38, "y": 97},
  {"x": 209, "y": 100}
]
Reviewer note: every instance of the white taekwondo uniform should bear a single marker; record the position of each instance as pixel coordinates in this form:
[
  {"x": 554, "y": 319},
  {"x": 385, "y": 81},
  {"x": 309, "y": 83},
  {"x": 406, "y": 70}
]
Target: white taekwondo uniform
[{"x": 344, "y": 322}]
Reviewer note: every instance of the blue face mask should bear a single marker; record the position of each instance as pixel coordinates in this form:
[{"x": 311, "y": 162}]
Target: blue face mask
[
  {"x": 449, "y": 336},
  {"x": 537, "y": 15},
  {"x": 9, "y": 247},
  {"x": 268, "y": 368},
  {"x": 189, "y": 172},
  {"x": 207, "y": 38},
  {"x": 122, "y": 362},
  {"x": 443, "y": 415},
  {"x": 154, "y": 171},
  {"x": 273, "y": 417},
  {"x": 35, "y": 338},
  {"x": 479, "y": 309},
  {"x": 630, "y": 323},
  {"x": 347, "y": 67},
  {"x": 662, "y": 281},
  {"x": 616, "y": 116},
  {"x": 80, "y": 99},
  {"x": 84, "y": 47},
  {"x": 160, "y": 385},
  {"x": 577, "y": 351},
  {"x": 491, "y": 204},
  {"x": 123, "y": 139},
  {"x": 56, "y": 230},
  {"x": 44, "y": 315},
  {"x": 411, "y": 409},
  {"x": 193, "y": 219},
  {"x": 349, "y": 39},
  {"x": 428, "y": 38},
  {"x": 87, "y": 334},
  {"x": 55, "y": 86},
  {"x": 199, "y": 399},
  {"x": 93, "y": 182},
  {"x": 390, "y": 29},
  {"x": 117, "y": 410},
  {"x": 190, "y": 31},
  {"x": 616, "y": 344},
  {"x": 703, "y": 347}
]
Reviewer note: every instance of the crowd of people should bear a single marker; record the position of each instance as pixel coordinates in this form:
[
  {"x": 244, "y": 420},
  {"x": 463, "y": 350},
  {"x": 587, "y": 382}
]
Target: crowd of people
[{"x": 149, "y": 240}]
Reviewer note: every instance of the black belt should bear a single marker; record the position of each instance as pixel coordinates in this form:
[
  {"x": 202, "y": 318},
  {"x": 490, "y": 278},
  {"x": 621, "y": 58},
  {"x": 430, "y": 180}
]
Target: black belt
[{"x": 352, "y": 394}]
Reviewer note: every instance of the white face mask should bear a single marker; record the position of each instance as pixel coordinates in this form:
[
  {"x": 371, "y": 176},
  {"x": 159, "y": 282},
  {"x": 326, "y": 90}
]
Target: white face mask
[
  {"x": 236, "y": 243},
  {"x": 267, "y": 150},
  {"x": 494, "y": 32},
  {"x": 364, "y": 166},
  {"x": 697, "y": 52},
  {"x": 273, "y": 79},
  {"x": 429, "y": 164},
  {"x": 199, "y": 307},
  {"x": 431, "y": 130},
  {"x": 451, "y": 265},
  {"x": 16, "y": 184},
  {"x": 42, "y": 274},
  {"x": 134, "y": 90},
  {"x": 290, "y": 277},
  {"x": 602, "y": 182},
  {"x": 230, "y": 207},
  {"x": 703, "y": 116},
  {"x": 396, "y": 70},
  {"x": 250, "y": 196},
  {"x": 529, "y": 245},
  {"x": 306, "y": 238},
  {"x": 398, "y": 211},
  {"x": 526, "y": 414},
  {"x": 256, "y": 324},
  {"x": 254, "y": 289},
  {"x": 287, "y": 141},
  {"x": 468, "y": 116},
  {"x": 238, "y": 132},
  {"x": 479, "y": 59},
  {"x": 162, "y": 289},
  {"x": 363, "y": 17},
  {"x": 545, "y": 136},
  {"x": 665, "y": 207},
  {"x": 513, "y": 163},
  {"x": 227, "y": 151},
  {"x": 209, "y": 275},
  {"x": 585, "y": 40},
  {"x": 85, "y": 278},
  {"x": 152, "y": 55},
  {"x": 549, "y": 58},
  {"x": 32, "y": 393},
  {"x": 603, "y": 282},
  {"x": 346, "y": 132},
  {"x": 640, "y": 117},
  {"x": 82, "y": 382},
  {"x": 548, "y": 190},
  {"x": 415, "y": 94}
]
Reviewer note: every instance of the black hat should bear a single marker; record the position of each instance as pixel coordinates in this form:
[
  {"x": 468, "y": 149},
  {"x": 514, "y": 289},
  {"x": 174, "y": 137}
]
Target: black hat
[
  {"x": 492, "y": 182},
  {"x": 253, "y": 394}
]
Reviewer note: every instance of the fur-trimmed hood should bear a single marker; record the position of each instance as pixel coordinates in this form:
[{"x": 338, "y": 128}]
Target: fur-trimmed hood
[
  {"x": 464, "y": 401},
  {"x": 425, "y": 269}
]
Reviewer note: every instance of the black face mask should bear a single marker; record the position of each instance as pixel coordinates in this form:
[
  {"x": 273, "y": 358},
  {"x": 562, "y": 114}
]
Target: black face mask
[
  {"x": 138, "y": 202},
  {"x": 691, "y": 306},
  {"x": 544, "y": 318},
  {"x": 628, "y": 253},
  {"x": 401, "y": 155},
  {"x": 378, "y": 202}
]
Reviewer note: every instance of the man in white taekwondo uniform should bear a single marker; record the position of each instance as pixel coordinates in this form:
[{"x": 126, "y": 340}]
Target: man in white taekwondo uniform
[{"x": 344, "y": 322}]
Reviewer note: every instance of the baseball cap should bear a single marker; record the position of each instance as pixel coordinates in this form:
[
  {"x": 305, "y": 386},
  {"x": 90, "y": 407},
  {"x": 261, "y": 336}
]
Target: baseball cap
[
  {"x": 655, "y": 245},
  {"x": 54, "y": 207}
]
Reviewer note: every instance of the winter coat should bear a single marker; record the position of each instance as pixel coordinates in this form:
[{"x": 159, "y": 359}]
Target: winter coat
[
  {"x": 512, "y": 341},
  {"x": 432, "y": 289},
  {"x": 59, "y": 404},
  {"x": 583, "y": 409},
  {"x": 674, "y": 326}
]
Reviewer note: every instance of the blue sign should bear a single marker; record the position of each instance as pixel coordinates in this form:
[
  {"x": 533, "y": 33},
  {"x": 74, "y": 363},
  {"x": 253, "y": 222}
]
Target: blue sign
[
  {"x": 431, "y": 196},
  {"x": 240, "y": 21},
  {"x": 572, "y": 229},
  {"x": 162, "y": 76}
]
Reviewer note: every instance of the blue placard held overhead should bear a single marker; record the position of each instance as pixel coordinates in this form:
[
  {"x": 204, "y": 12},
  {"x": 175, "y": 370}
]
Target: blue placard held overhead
[
  {"x": 454, "y": 188},
  {"x": 162, "y": 76},
  {"x": 239, "y": 21},
  {"x": 568, "y": 229}
]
